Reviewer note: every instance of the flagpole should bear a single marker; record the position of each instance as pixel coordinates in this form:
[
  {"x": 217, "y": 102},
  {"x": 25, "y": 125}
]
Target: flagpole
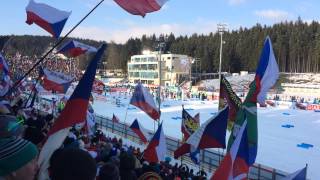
[
  {"x": 124, "y": 124},
  {"x": 56, "y": 45},
  {"x": 112, "y": 123},
  {"x": 306, "y": 171},
  {"x": 160, "y": 46}
]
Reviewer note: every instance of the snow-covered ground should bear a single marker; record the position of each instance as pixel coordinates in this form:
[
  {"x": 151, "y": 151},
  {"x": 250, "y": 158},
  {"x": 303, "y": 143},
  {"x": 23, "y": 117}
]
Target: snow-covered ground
[{"x": 278, "y": 146}]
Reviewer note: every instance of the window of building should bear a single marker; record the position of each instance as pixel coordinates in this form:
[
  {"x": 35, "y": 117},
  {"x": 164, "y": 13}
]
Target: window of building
[
  {"x": 144, "y": 67},
  {"x": 143, "y": 59},
  {"x": 137, "y": 59},
  {"x": 152, "y": 67}
]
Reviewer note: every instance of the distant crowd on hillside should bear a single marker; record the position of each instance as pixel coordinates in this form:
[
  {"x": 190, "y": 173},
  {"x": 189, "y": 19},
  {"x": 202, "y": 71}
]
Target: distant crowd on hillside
[{"x": 19, "y": 65}]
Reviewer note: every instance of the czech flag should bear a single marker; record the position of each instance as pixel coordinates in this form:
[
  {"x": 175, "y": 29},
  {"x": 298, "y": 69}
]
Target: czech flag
[
  {"x": 211, "y": 134},
  {"x": 55, "y": 81},
  {"x": 74, "y": 48},
  {"x": 140, "y": 131},
  {"x": 301, "y": 174},
  {"x": 141, "y": 7},
  {"x": 74, "y": 112},
  {"x": 267, "y": 73},
  {"x": 233, "y": 166},
  {"x": 142, "y": 99},
  {"x": 49, "y": 18},
  {"x": 157, "y": 148}
]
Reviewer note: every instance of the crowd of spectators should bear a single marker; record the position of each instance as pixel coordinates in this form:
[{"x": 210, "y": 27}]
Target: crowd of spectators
[
  {"x": 19, "y": 65},
  {"x": 83, "y": 155}
]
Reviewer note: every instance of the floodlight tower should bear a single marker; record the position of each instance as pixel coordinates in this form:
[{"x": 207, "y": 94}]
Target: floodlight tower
[{"x": 222, "y": 27}]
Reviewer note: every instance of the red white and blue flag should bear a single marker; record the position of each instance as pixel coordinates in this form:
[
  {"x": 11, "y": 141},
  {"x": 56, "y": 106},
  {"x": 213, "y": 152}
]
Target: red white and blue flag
[
  {"x": 74, "y": 48},
  {"x": 267, "y": 72},
  {"x": 142, "y": 99},
  {"x": 137, "y": 128},
  {"x": 157, "y": 147},
  {"x": 211, "y": 134},
  {"x": 75, "y": 112},
  {"x": 55, "y": 81},
  {"x": 301, "y": 174},
  {"x": 141, "y": 7},
  {"x": 234, "y": 164},
  {"x": 49, "y": 18},
  {"x": 5, "y": 81}
]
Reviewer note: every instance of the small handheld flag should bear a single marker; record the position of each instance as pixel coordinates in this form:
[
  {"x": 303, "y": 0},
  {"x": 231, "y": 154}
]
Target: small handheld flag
[
  {"x": 211, "y": 134},
  {"x": 157, "y": 147},
  {"x": 74, "y": 48},
  {"x": 140, "y": 131},
  {"x": 55, "y": 81},
  {"x": 142, "y": 99}
]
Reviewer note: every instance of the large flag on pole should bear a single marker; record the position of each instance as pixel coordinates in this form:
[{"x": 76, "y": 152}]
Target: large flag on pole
[
  {"x": 142, "y": 99},
  {"x": 211, "y": 134},
  {"x": 189, "y": 124},
  {"x": 141, "y": 7},
  {"x": 157, "y": 147},
  {"x": 228, "y": 169},
  {"x": 266, "y": 76},
  {"x": 142, "y": 133},
  {"x": 229, "y": 98},
  {"x": 74, "y": 48},
  {"x": 4, "y": 76},
  {"x": 55, "y": 81},
  {"x": 267, "y": 73},
  {"x": 74, "y": 112},
  {"x": 49, "y": 18}
]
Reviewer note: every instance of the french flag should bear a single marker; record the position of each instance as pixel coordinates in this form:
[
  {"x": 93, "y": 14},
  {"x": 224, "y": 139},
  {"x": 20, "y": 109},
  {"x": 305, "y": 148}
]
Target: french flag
[
  {"x": 74, "y": 112},
  {"x": 141, "y": 7},
  {"x": 55, "y": 81},
  {"x": 74, "y": 48},
  {"x": 267, "y": 73},
  {"x": 140, "y": 131},
  {"x": 157, "y": 147},
  {"x": 211, "y": 134},
  {"x": 142, "y": 99},
  {"x": 49, "y": 18},
  {"x": 233, "y": 166}
]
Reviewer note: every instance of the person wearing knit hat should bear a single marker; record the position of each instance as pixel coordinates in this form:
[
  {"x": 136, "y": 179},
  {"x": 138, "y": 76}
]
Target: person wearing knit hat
[
  {"x": 18, "y": 159},
  {"x": 10, "y": 126}
]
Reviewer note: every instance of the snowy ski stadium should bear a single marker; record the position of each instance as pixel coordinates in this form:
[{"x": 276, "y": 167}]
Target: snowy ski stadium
[
  {"x": 146, "y": 90},
  {"x": 282, "y": 128}
]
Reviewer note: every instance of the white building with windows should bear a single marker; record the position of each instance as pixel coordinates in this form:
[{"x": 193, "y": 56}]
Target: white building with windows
[{"x": 175, "y": 68}]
